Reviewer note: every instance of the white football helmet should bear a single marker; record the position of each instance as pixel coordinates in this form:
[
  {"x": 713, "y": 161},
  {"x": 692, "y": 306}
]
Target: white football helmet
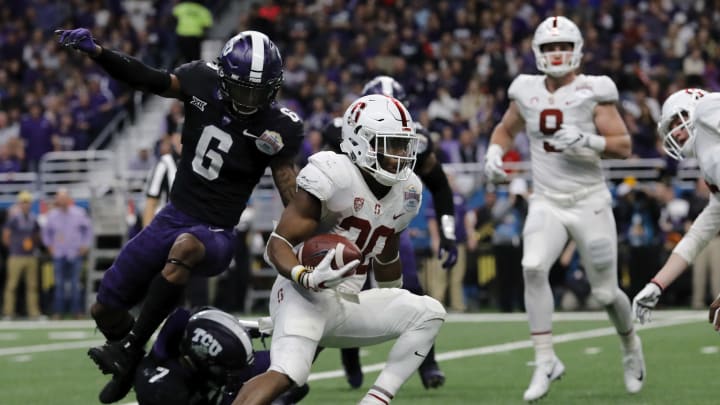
[
  {"x": 378, "y": 135},
  {"x": 677, "y": 113},
  {"x": 556, "y": 30}
]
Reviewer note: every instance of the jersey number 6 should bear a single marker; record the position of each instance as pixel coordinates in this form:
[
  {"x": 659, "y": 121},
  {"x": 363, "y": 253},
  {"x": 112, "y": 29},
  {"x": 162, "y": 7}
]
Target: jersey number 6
[{"x": 211, "y": 170}]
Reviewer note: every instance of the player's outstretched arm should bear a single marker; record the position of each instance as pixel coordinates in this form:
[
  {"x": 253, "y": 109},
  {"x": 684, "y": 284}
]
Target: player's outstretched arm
[
  {"x": 705, "y": 227},
  {"x": 436, "y": 181},
  {"x": 121, "y": 66}
]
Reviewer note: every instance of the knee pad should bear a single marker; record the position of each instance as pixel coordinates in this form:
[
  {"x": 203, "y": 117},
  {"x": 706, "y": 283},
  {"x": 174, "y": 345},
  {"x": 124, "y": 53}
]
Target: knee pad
[
  {"x": 432, "y": 309},
  {"x": 601, "y": 254},
  {"x": 535, "y": 275},
  {"x": 604, "y": 296}
]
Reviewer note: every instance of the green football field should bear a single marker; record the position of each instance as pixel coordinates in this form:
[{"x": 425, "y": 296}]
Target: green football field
[{"x": 486, "y": 358}]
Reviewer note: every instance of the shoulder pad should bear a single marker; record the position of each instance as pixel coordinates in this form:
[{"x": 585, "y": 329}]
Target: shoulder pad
[
  {"x": 325, "y": 174},
  {"x": 603, "y": 89},
  {"x": 519, "y": 84},
  {"x": 707, "y": 112}
]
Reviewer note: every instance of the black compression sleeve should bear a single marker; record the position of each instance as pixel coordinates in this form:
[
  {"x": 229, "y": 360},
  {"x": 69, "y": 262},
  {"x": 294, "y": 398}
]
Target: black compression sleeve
[
  {"x": 133, "y": 72},
  {"x": 436, "y": 181}
]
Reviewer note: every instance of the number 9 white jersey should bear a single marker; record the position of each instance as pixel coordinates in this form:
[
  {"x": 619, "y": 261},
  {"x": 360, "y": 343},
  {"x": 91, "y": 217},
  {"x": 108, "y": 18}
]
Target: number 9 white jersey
[
  {"x": 350, "y": 209},
  {"x": 544, "y": 113}
]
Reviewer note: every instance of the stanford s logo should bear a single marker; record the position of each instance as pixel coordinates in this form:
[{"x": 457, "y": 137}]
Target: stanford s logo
[{"x": 358, "y": 203}]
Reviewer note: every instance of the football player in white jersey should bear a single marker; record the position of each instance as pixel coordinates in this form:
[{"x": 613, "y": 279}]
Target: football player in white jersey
[
  {"x": 688, "y": 127},
  {"x": 368, "y": 194},
  {"x": 571, "y": 120}
]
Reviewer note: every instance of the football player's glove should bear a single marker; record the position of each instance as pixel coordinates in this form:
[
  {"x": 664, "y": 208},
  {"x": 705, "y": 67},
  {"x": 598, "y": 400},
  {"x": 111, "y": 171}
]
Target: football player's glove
[
  {"x": 645, "y": 301},
  {"x": 569, "y": 135},
  {"x": 79, "y": 38},
  {"x": 494, "y": 172},
  {"x": 714, "y": 315},
  {"x": 323, "y": 275}
]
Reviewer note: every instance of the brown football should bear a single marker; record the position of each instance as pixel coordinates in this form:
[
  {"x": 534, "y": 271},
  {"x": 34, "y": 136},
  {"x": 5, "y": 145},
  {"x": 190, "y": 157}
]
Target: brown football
[{"x": 314, "y": 250}]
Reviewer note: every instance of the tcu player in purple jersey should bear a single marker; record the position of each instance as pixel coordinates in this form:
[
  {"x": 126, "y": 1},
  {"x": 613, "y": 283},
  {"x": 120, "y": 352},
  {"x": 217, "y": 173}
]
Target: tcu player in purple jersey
[
  {"x": 233, "y": 132},
  {"x": 202, "y": 358},
  {"x": 430, "y": 171}
]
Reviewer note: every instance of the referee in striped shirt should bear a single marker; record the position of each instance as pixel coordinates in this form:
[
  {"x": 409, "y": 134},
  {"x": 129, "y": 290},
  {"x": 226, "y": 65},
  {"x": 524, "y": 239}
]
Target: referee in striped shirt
[{"x": 161, "y": 178}]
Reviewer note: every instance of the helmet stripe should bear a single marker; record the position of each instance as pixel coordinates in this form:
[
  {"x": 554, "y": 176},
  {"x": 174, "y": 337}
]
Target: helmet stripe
[
  {"x": 400, "y": 108},
  {"x": 258, "y": 57},
  {"x": 387, "y": 87}
]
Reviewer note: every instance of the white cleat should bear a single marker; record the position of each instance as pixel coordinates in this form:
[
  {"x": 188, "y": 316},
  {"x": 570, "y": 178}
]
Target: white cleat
[
  {"x": 634, "y": 367},
  {"x": 544, "y": 374}
]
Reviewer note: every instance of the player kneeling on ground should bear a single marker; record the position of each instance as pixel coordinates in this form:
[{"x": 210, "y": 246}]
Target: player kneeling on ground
[{"x": 369, "y": 194}]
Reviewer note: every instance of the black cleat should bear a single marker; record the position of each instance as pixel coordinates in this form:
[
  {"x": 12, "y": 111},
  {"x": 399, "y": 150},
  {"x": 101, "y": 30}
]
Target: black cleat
[
  {"x": 116, "y": 358},
  {"x": 117, "y": 388},
  {"x": 431, "y": 376},
  {"x": 292, "y": 396},
  {"x": 119, "y": 359}
]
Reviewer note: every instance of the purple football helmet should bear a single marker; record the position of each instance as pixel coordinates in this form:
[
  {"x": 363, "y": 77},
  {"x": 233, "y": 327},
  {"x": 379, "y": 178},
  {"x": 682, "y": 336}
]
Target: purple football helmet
[{"x": 250, "y": 69}]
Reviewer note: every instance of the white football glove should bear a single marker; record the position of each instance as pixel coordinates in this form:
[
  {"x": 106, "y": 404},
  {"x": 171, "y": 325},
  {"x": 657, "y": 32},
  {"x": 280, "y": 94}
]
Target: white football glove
[
  {"x": 569, "y": 136},
  {"x": 494, "y": 172},
  {"x": 323, "y": 275},
  {"x": 645, "y": 301}
]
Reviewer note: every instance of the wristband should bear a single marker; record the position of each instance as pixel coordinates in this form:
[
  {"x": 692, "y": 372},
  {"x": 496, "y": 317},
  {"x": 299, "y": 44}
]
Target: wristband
[
  {"x": 299, "y": 275},
  {"x": 495, "y": 149},
  {"x": 657, "y": 283},
  {"x": 596, "y": 142}
]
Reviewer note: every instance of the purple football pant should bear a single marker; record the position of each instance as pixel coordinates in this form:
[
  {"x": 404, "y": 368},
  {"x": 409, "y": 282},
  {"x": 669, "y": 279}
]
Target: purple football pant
[
  {"x": 125, "y": 283},
  {"x": 409, "y": 266}
]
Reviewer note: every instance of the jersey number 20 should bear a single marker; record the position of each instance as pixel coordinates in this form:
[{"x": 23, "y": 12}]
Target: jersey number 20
[{"x": 211, "y": 171}]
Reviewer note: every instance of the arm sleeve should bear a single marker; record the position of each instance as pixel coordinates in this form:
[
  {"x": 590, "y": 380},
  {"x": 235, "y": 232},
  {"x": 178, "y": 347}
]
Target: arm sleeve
[
  {"x": 437, "y": 183},
  {"x": 704, "y": 228},
  {"x": 127, "y": 69}
]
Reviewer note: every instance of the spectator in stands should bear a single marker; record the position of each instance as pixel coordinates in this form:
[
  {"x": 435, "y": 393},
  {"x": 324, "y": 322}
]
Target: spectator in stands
[
  {"x": 36, "y": 131},
  {"x": 8, "y": 162},
  {"x": 509, "y": 219},
  {"x": 193, "y": 20},
  {"x": 21, "y": 235},
  {"x": 143, "y": 161},
  {"x": 68, "y": 235}
]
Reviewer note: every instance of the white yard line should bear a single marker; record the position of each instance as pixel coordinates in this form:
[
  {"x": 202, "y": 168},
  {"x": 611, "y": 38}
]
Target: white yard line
[{"x": 664, "y": 319}]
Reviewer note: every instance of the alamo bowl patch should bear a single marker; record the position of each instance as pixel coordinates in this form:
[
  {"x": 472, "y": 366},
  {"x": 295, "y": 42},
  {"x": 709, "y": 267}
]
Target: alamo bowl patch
[
  {"x": 270, "y": 142},
  {"x": 411, "y": 198}
]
